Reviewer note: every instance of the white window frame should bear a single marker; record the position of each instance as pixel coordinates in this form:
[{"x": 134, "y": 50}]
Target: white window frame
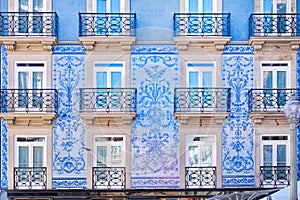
[
  {"x": 200, "y": 70},
  {"x": 274, "y": 70},
  {"x": 215, "y": 3},
  {"x": 213, "y": 143},
  {"x": 108, "y": 70},
  {"x": 30, "y": 145},
  {"x": 275, "y": 143},
  {"x": 109, "y": 144},
  {"x": 288, "y": 6},
  {"x": 122, "y": 6},
  {"x": 30, "y": 70}
]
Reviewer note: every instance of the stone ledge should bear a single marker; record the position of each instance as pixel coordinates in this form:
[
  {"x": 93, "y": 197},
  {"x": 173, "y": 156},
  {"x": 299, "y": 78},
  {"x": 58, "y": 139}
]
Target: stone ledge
[
  {"x": 258, "y": 43},
  {"x": 268, "y": 118},
  {"x": 29, "y": 119},
  {"x": 211, "y": 118},
  {"x": 107, "y": 119}
]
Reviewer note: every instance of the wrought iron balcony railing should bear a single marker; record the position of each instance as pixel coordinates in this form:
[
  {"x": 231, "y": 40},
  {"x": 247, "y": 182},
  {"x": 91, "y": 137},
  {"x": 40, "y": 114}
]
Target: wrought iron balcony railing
[
  {"x": 107, "y": 24},
  {"x": 108, "y": 100},
  {"x": 200, "y": 177},
  {"x": 202, "y": 24},
  {"x": 28, "y": 100},
  {"x": 274, "y": 24},
  {"x": 30, "y": 178},
  {"x": 274, "y": 176},
  {"x": 109, "y": 177},
  {"x": 202, "y": 100},
  {"x": 28, "y": 24},
  {"x": 269, "y": 100}
]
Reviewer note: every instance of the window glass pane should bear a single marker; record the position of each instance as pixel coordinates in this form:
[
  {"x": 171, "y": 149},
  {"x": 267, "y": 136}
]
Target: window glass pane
[
  {"x": 193, "y": 6},
  {"x": 281, "y": 6},
  {"x": 23, "y": 80},
  {"x": 281, "y": 79},
  {"x": 37, "y": 5},
  {"x": 101, "y": 6},
  {"x": 281, "y": 155},
  {"x": 268, "y": 155},
  {"x": 206, "y": 155},
  {"x": 101, "y": 80},
  {"x": 37, "y": 156},
  {"x": 101, "y": 156},
  {"x": 268, "y": 6},
  {"x": 193, "y": 79},
  {"x": 114, "y": 6},
  {"x": 115, "y": 79},
  {"x": 116, "y": 156},
  {"x": 193, "y": 156},
  {"x": 268, "y": 79},
  {"x": 207, "y": 79},
  {"x": 23, "y": 6},
  {"x": 23, "y": 156},
  {"x": 207, "y": 6},
  {"x": 37, "y": 82}
]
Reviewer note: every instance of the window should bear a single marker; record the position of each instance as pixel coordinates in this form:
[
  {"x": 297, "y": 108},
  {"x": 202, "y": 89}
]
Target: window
[
  {"x": 201, "y": 151},
  {"x": 109, "y": 6},
  {"x": 28, "y": 20},
  {"x": 275, "y": 79},
  {"x": 30, "y": 152},
  {"x": 110, "y": 151},
  {"x": 201, "y": 6},
  {"x": 108, "y": 75}
]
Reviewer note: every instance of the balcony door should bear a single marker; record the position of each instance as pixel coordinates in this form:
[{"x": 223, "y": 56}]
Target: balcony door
[
  {"x": 29, "y": 82},
  {"x": 112, "y": 23},
  {"x": 201, "y": 77},
  {"x": 275, "y": 79},
  {"x": 202, "y": 22},
  {"x": 29, "y": 19},
  {"x": 276, "y": 22}
]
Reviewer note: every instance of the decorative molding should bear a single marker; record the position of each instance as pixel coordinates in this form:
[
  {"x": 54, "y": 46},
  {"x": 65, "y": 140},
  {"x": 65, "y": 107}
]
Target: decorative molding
[
  {"x": 68, "y": 49},
  {"x": 209, "y": 118},
  {"x": 238, "y": 49},
  {"x": 258, "y": 43},
  {"x": 107, "y": 119},
  {"x": 69, "y": 183},
  {"x": 238, "y": 181},
  {"x": 154, "y": 135},
  {"x": 29, "y": 43},
  {"x": 113, "y": 42},
  {"x": 28, "y": 119}
]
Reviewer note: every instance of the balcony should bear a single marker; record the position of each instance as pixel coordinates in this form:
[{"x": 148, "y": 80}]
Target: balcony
[
  {"x": 109, "y": 177},
  {"x": 204, "y": 29},
  {"x": 267, "y": 28},
  {"x": 108, "y": 104},
  {"x": 274, "y": 176},
  {"x": 200, "y": 177},
  {"x": 30, "y": 28},
  {"x": 202, "y": 103},
  {"x": 107, "y": 29},
  {"x": 28, "y": 178},
  {"x": 28, "y": 106}
]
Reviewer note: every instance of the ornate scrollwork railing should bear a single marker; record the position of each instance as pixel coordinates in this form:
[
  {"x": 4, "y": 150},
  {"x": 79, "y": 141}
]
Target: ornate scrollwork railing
[
  {"x": 202, "y": 100},
  {"x": 202, "y": 24},
  {"x": 107, "y": 24},
  {"x": 274, "y": 24},
  {"x": 109, "y": 177},
  {"x": 30, "y": 177},
  {"x": 274, "y": 176},
  {"x": 270, "y": 100},
  {"x": 108, "y": 100},
  {"x": 28, "y": 24},
  {"x": 200, "y": 177},
  {"x": 28, "y": 100}
]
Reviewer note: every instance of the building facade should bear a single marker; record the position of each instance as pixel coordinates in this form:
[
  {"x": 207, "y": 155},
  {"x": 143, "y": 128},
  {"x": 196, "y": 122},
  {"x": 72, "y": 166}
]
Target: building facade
[{"x": 132, "y": 97}]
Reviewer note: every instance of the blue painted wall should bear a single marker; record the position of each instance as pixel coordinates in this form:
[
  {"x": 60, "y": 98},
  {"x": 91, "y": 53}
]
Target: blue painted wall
[
  {"x": 3, "y": 6},
  {"x": 155, "y": 23},
  {"x": 298, "y": 6},
  {"x": 239, "y": 19},
  {"x": 68, "y": 18}
]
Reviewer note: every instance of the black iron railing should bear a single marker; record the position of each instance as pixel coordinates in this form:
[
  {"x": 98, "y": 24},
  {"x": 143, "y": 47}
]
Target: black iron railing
[
  {"x": 274, "y": 176},
  {"x": 270, "y": 100},
  {"x": 202, "y": 100},
  {"x": 274, "y": 24},
  {"x": 28, "y": 24},
  {"x": 109, "y": 177},
  {"x": 107, "y": 24},
  {"x": 30, "y": 178},
  {"x": 200, "y": 177},
  {"x": 108, "y": 100},
  {"x": 28, "y": 100},
  {"x": 202, "y": 24}
]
